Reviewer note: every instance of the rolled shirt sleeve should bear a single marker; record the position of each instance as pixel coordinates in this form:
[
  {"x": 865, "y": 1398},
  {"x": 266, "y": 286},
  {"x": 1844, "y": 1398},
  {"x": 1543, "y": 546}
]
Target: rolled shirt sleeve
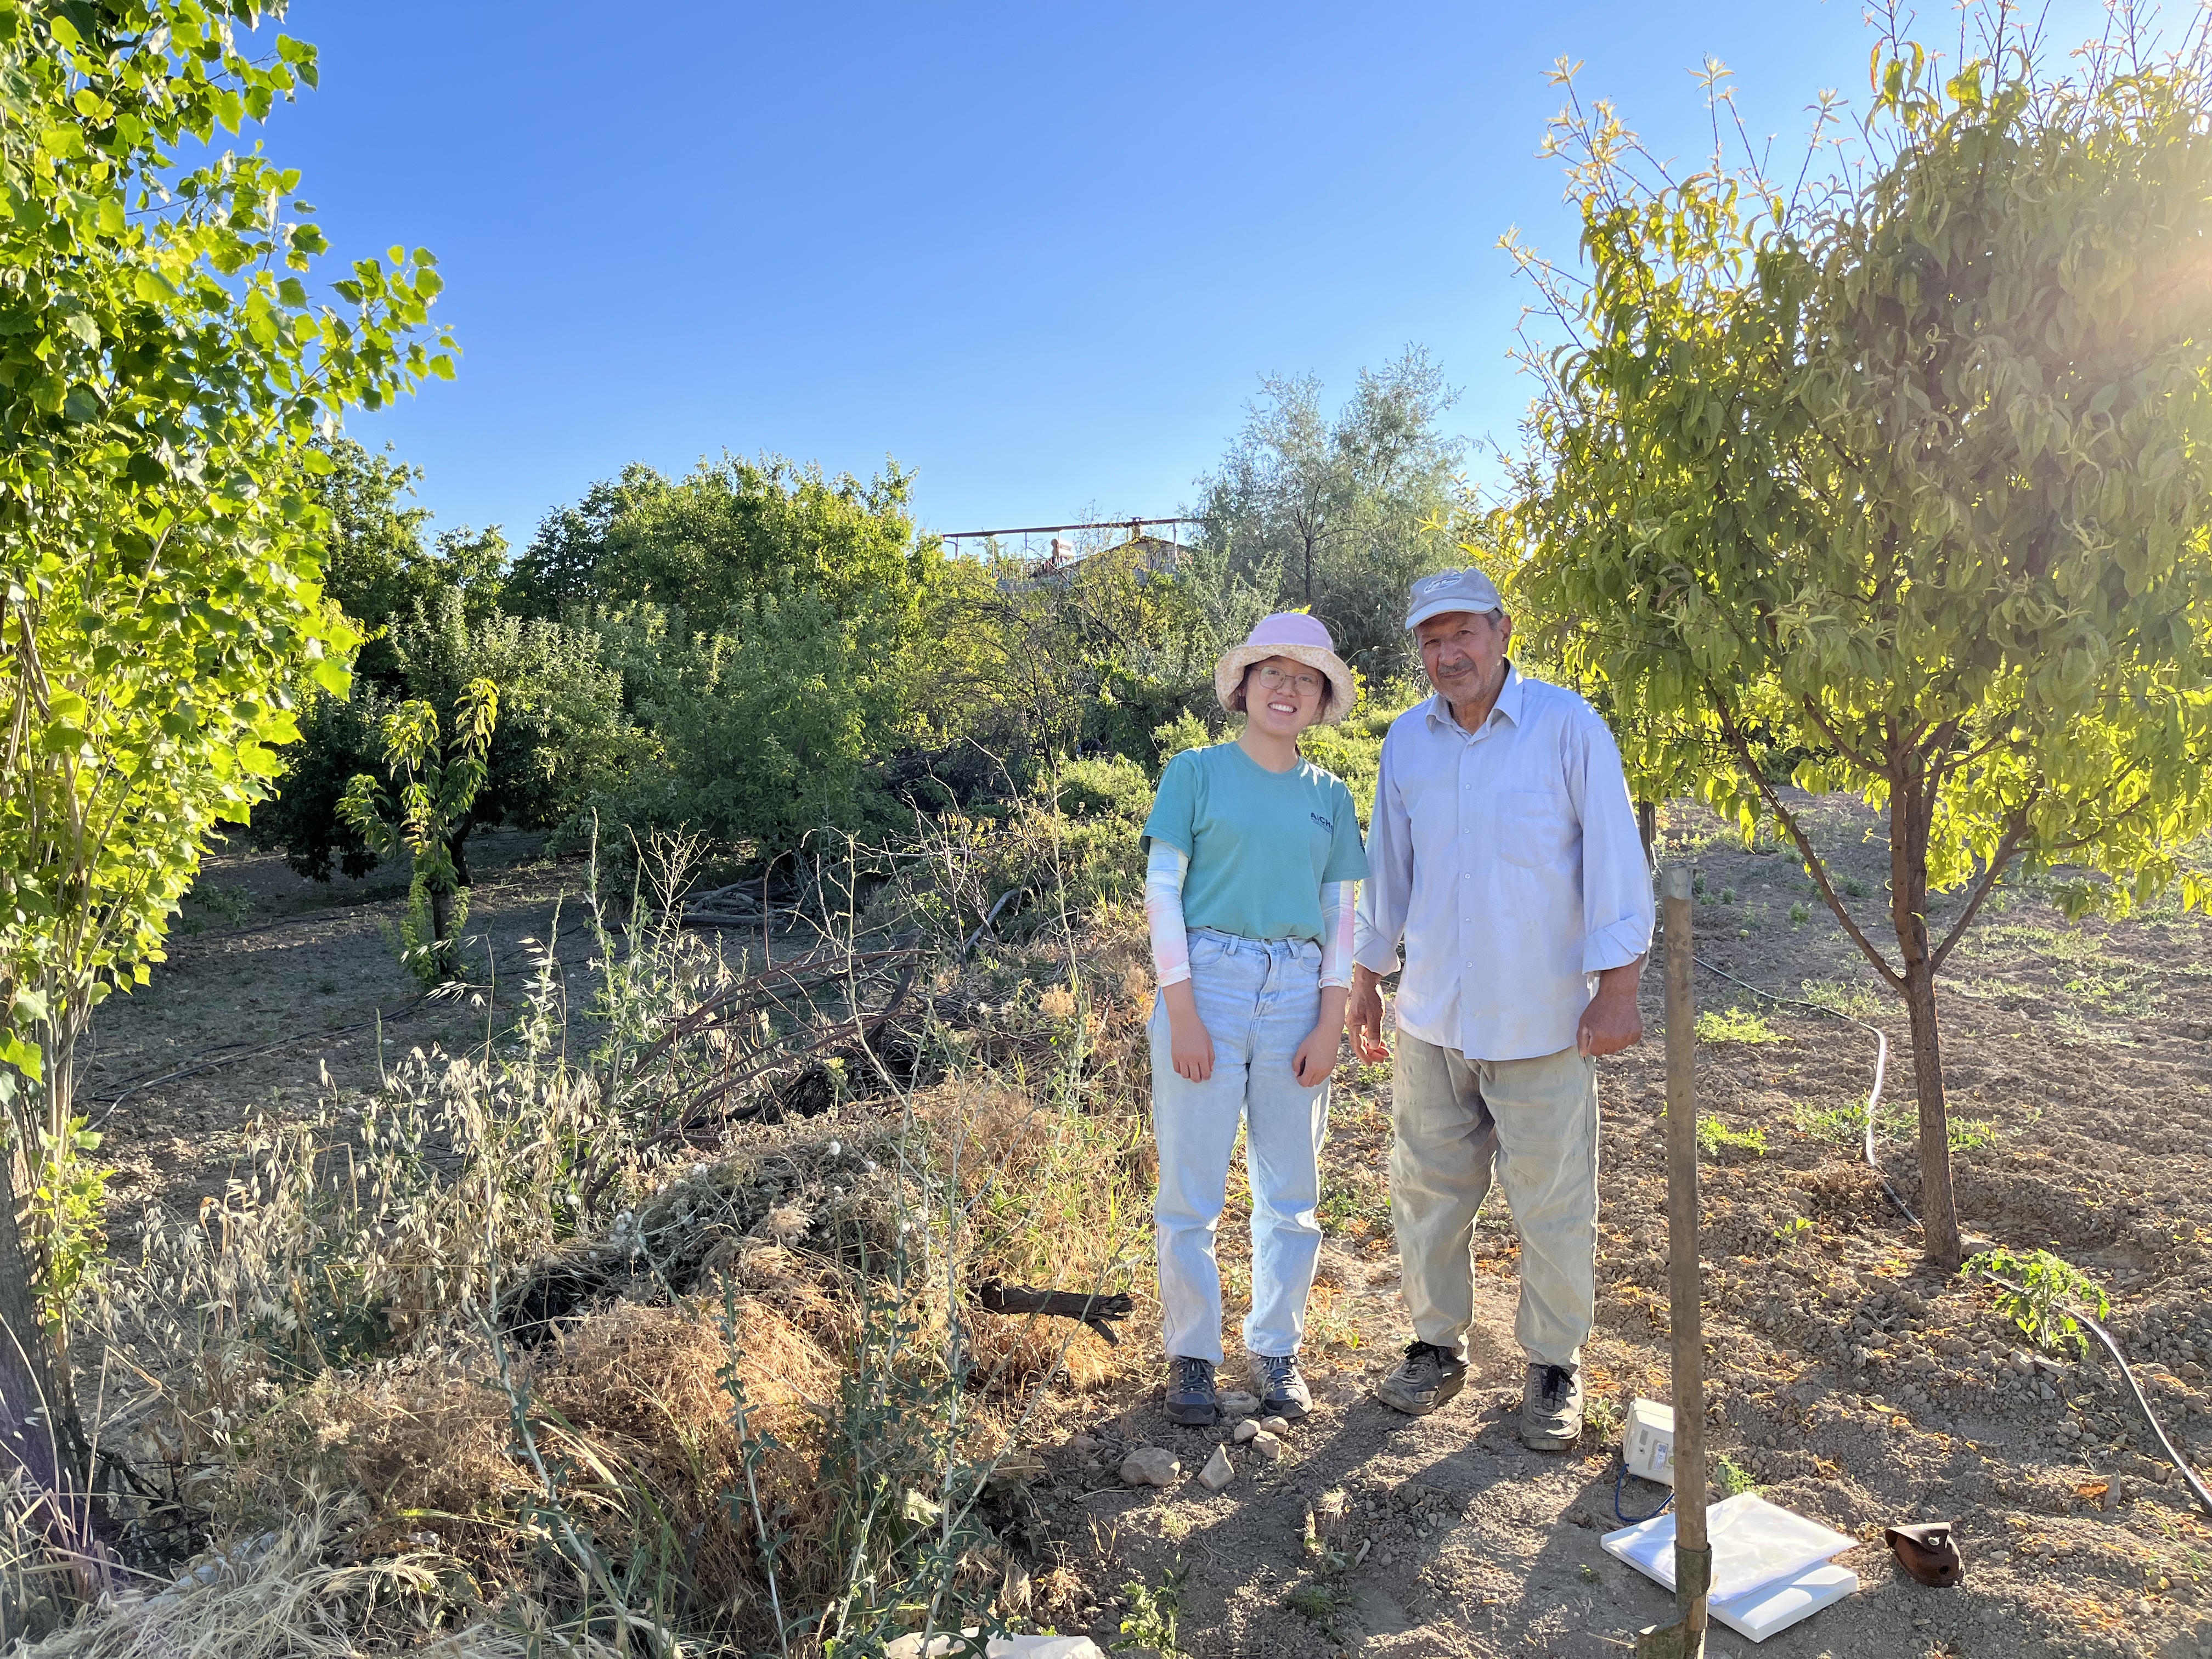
[{"x": 1618, "y": 913}]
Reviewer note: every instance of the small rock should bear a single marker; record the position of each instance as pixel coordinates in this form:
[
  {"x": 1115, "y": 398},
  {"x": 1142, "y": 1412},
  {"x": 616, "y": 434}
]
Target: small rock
[
  {"x": 1275, "y": 1424},
  {"x": 1236, "y": 1403},
  {"x": 1083, "y": 1445},
  {"x": 1244, "y": 1431},
  {"x": 1218, "y": 1471},
  {"x": 1152, "y": 1466},
  {"x": 1267, "y": 1447}
]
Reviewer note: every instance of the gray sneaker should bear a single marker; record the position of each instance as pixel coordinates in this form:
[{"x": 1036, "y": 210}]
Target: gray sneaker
[
  {"x": 1424, "y": 1379},
  {"x": 1190, "y": 1392},
  {"x": 1283, "y": 1392},
  {"x": 1552, "y": 1408}
]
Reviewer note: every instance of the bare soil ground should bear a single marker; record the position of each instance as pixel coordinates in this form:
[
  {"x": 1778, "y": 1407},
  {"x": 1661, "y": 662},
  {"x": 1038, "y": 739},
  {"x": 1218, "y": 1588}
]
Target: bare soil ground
[
  {"x": 273, "y": 980},
  {"x": 1848, "y": 1382}
]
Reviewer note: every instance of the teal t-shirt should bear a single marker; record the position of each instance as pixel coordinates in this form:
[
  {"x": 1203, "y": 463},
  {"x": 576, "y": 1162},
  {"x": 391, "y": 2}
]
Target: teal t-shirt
[{"x": 1261, "y": 844}]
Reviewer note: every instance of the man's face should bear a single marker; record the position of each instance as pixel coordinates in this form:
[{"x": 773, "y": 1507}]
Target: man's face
[{"x": 1464, "y": 654}]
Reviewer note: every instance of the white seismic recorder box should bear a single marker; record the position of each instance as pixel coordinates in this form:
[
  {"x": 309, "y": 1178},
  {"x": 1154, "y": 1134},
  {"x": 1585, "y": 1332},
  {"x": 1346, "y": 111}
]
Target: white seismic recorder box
[{"x": 1648, "y": 1448}]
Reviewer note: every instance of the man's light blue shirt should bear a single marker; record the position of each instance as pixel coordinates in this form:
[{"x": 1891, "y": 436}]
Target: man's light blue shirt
[{"x": 1507, "y": 861}]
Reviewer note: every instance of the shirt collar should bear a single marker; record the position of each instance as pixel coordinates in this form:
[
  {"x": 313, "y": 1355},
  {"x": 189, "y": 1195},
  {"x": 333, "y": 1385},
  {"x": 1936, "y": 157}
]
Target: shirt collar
[{"x": 1510, "y": 696}]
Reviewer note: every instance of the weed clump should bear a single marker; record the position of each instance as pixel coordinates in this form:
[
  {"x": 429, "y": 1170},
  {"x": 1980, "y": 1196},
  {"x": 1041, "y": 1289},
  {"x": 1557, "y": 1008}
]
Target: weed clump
[{"x": 1735, "y": 1025}]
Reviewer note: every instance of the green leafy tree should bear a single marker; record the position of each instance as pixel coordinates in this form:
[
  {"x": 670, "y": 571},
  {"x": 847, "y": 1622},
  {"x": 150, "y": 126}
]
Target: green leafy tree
[
  {"x": 300, "y": 819},
  {"x": 771, "y": 734},
  {"x": 383, "y": 569},
  {"x": 1909, "y": 477},
  {"x": 379, "y": 563},
  {"x": 435, "y": 785},
  {"x": 562, "y": 739},
  {"x": 163, "y": 374},
  {"x": 729, "y": 540},
  {"x": 1343, "y": 513}
]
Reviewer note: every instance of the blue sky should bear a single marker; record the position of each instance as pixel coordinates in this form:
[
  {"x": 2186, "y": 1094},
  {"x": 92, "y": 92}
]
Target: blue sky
[{"x": 1040, "y": 254}]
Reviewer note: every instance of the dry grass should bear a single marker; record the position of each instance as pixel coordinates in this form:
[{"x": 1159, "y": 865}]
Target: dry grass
[
  {"x": 482, "y": 1363},
  {"x": 270, "y": 1597}
]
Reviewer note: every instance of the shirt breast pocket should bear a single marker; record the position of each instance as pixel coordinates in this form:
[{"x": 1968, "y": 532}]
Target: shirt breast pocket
[{"x": 1537, "y": 829}]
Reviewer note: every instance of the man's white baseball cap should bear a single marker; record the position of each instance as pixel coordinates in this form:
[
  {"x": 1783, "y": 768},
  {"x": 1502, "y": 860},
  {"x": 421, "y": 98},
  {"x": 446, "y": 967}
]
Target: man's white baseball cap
[{"x": 1452, "y": 590}]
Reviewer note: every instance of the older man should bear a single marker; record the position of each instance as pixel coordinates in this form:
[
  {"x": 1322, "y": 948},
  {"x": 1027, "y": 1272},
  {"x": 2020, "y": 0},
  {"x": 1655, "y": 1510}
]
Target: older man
[{"x": 1505, "y": 856}]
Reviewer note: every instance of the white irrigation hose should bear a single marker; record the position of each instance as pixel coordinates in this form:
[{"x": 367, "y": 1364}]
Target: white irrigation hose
[
  {"x": 2189, "y": 1475},
  {"x": 1880, "y": 1069}
]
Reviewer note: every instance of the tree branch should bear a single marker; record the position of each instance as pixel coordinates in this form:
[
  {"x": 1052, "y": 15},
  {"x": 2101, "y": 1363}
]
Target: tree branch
[
  {"x": 1820, "y": 718},
  {"x": 1812, "y": 865},
  {"x": 2001, "y": 857}
]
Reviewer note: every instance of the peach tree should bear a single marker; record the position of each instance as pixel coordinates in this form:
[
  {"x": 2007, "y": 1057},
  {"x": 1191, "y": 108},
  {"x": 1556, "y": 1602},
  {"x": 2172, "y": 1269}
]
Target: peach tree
[
  {"x": 1908, "y": 479},
  {"x": 435, "y": 782}
]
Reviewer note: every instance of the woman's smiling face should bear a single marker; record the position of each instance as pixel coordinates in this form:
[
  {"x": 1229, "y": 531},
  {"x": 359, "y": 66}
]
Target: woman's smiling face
[{"x": 1283, "y": 695}]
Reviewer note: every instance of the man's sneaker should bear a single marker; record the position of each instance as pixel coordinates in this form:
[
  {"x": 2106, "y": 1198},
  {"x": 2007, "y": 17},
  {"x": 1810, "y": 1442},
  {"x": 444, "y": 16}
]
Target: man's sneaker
[
  {"x": 1424, "y": 1379},
  {"x": 1283, "y": 1392},
  {"x": 1190, "y": 1392},
  {"x": 1552, "y": 1408}
]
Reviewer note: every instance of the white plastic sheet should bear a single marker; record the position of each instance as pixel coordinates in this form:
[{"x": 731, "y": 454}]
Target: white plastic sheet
[
  {"x": 1771, "y": 1566},
  {"x": 1754, "y": 1542}
]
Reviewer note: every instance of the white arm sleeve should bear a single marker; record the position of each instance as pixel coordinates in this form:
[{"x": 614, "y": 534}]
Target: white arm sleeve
[{"x": 1163, "y": 878}]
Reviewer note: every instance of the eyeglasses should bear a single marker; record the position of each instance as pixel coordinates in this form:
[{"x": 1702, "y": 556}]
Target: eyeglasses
[{"x": 1275, "y": 679}]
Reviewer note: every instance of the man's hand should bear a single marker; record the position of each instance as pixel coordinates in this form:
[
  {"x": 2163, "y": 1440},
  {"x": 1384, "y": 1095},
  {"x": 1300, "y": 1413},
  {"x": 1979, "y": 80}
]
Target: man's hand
[
  {"x": 1612, "y": 1022},
  {"x": 1366, "y": 1011},
  {"x": 1190, "y": 1045}
]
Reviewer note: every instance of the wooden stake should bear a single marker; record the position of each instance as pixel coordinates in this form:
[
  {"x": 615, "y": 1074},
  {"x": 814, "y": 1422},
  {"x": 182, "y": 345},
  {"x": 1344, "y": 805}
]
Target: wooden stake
[{"x": 1693, "y": 1555}]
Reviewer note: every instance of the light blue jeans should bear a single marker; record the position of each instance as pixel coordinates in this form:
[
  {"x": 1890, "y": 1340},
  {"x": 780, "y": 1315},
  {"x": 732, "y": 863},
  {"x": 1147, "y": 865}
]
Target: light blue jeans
[{"x": 1259, "y": 1000}]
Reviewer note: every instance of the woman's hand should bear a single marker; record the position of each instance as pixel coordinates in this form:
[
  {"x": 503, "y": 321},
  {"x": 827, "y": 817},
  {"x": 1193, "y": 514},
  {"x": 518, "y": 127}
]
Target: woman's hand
[
  {"x": 1315, "y": 1062},
  {"x": 1190, "y": 1045}
]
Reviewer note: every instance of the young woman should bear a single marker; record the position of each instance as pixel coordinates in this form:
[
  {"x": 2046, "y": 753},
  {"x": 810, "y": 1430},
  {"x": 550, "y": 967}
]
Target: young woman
[{"x": 1255, "y": 854}]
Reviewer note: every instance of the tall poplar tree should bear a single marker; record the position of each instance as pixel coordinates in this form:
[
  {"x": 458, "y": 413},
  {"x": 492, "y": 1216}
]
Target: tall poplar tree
[{"x": 164, "y": 371}]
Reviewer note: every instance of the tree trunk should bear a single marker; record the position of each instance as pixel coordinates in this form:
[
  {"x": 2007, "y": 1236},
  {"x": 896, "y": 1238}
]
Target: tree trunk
[
  {"x": 1910, "y": 820},
  {"x": 457, "y": 848},
  {"x": 1939, "y": 1206},
  {"x": 1647, "y": 827},
  {"x": 37, "y": 1428}
]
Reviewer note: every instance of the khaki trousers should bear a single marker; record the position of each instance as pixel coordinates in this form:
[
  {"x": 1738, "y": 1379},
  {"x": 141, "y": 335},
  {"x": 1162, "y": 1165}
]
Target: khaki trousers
[{"x": 1534, "y": 1121}]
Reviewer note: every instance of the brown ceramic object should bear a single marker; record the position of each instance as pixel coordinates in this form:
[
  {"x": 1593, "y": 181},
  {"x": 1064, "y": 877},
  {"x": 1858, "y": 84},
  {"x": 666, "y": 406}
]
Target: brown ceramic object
[{"x": 1927, "y": 1551}]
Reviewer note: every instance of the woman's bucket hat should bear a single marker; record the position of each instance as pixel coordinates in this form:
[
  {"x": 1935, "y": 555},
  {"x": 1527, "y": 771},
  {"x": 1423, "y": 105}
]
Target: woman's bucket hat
[{"x": 1302, "y": 638}]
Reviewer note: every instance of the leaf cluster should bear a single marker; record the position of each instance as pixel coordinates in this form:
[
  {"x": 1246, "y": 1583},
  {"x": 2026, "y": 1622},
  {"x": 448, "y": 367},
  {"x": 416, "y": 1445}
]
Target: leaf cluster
[{"x": 1905, "y": 478}]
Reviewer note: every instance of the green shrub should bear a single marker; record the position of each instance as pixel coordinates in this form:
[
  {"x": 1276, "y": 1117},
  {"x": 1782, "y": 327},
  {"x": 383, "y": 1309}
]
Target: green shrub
[
  {"x": 2047, "y": 1283},
  {"x": 1112, "y": 786}
]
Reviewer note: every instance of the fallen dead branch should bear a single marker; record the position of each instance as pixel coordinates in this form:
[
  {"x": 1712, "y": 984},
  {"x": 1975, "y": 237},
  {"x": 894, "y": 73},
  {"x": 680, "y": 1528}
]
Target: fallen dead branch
[{"x": 994, "y": 1297}]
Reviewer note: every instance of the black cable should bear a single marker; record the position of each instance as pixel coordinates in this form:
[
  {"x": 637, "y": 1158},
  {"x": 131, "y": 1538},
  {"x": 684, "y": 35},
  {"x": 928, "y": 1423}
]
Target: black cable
[
  {"x": 1620, "y": 1515},
  {"x": 2189, "y": 1475}
]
